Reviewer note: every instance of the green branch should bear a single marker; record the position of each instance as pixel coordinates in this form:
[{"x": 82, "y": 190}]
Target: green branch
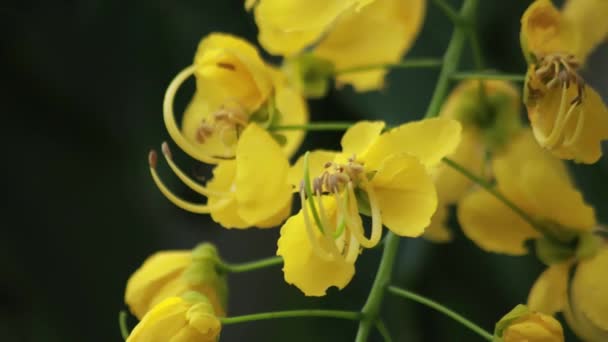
[
  {"x": 407, "y": 64},
  {"x": 383, "y": 330},
  {"x": 459, "y": 76},
  {"x": 372, "y": 306},
  {"x": 348, "y": 315},
  {"x": 249, "y": 266},
  {"x": 436, "y": 306},
  {"x": 315, "y": 126}
]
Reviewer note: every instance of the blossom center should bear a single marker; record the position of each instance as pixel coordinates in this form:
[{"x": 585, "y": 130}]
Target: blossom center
[{"x": 227, "y": 123}]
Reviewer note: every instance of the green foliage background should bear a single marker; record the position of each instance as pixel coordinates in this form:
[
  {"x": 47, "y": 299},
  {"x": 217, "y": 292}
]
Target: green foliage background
[{"x": 82, "y": 106}]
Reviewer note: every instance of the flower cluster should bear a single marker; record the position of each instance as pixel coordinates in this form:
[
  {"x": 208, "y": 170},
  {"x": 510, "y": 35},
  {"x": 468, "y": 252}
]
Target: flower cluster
[{"x": 512, "y": 190}]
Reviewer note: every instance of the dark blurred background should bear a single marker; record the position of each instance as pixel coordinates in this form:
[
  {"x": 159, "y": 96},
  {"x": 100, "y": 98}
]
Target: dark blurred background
[{"x": 83, "y": 83}]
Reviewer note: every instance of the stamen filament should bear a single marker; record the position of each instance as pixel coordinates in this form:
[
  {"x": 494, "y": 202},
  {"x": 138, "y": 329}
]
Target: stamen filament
[
  {"x": 578, "y": 131},
  {"x": 376, "y": 217},
  {"x": 188, "y": 206},
  {"x": 171, "y": 124},
  {"x": 341, "y": 220},
  {"x": 187, "y": 180},
  {"x": 314, "y": 243},
  {"x": 558, "y": 126},
  {"x": 353, "y": 249},
  {"x": 355, "y": 225}
]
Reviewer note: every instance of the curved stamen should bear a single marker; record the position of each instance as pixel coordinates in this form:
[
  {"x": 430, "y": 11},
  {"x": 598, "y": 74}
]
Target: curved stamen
[
  {"x": 376, "y": 217},
  {"x": 188, "y": 206},
  {"x": 558, "y": 126},
  {"x": 171, "y": 124},
  {"x": 314, "y": 243},
  {"x": 353, "y": 220},
  {"x": 352, "y": 251},
  {"x": 340, "y": 219},
  {"x": 187, "y": 180},
  {"x": 578, "y": 131}
]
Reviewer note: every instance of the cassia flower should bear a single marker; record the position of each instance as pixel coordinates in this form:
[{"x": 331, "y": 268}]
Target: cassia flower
[
  {"x": 568, "y": 117},
  {"x": 382, "y": 175},
  {"x": 538, "y": 184},
  {"x": 234, "y": 87},
  {"x": 583, "y": 298},
  {"x": 172, "y": 273},
  {"x": 251, "y": 190},
  {"x": 523, "y": 325},
  {"x": 345, "y": 33},
  {"x": 186, "y": 318}
]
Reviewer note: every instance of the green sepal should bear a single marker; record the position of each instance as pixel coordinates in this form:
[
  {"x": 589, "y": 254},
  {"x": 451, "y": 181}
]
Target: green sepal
[
  {"x": 508, "y": 319},
  {"x": 311, "y": 74},
  {"x": 587, "y": 246},
  {"x": 551, "y": 252},
  {"x": 279, "y": 138},
  {"x": 203, "y": 271}
]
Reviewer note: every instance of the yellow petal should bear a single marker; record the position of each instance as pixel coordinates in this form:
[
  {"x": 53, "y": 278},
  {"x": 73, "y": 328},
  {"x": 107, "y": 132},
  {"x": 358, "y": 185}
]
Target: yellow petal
[
  {"x": 493, "y": 226},
  {"x": 158, "y": 270},
  {"x": 229, "y": 68},
  {"x": 380, "y": 33},
  {"x": 283, "y": 33},
  {"x": 549, "y": 292},
  {"x": 543, "y": 30},
  {"x": 534, "y": 327},
  {"x": 438, "y": 231},
  {"x": 589, "y": 291},
  {"x": 452, "y": 185},
  {"x": 584, "y": 328},
  {"x": 589, "y": 18},
  {"x": 359, "y": 137},
  {"x": 223, "y": 181},
  {"x": 316, "y": 166},
  {"x": 303, "y": 268},
  {"x": 262, "y": 189},
  {"x": 294, "y": 111},
  {"x": 406, "y": 195},
  {"x": 429, "y": 140}
]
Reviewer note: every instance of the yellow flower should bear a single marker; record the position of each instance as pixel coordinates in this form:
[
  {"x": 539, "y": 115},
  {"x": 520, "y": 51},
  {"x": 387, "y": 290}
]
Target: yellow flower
[
  {"x": 381, "y": 32},
  {"x": 187, "y": 318},
  {"x": 252, "y": 190},
  {"x": 523, "y": 325},
  {"x": 172, "y": 273},
  {"x": 584, "y": 301},
  {"x": 287, "y": 27},
  {"x": 538, "y": 184},
  {"x": 568, "y": 117},
  {"x": 234, "y": 87},
  {"x": 382, "y": 175}
]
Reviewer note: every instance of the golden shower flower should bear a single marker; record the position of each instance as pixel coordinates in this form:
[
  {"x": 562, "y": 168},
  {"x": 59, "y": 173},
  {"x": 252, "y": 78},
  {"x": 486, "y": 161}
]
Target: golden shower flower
[
  {"x": 346, "y": 33},
  {"x": 537, "y": 183},
  {"x": 583, "y": 299},
  {"x": 382, "y": 175},
  {"x": 186, "y": 318},
  {"x": 523, "y": 325},
  {"x": 489, "y": 112},
  {"x": 568, "y": 117},
  {"x": 234, "y": 87},
  {"x": 172, "y": 273},
  {"x": 251, "y": 190}
]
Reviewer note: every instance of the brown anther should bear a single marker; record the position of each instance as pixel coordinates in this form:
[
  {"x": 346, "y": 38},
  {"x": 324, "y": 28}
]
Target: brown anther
[
  {"x": 317, "y": 185},
  {"x": 166, "y": 151},
  {"x": 204, "y": 132},
  {"x": 225, "y": 65},
  {"x": 327, "y": 165},
  {"x": 152, "y": 159}
]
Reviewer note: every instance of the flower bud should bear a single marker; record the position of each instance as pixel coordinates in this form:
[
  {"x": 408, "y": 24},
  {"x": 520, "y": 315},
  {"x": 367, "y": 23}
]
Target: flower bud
[
  {"x": 172, "y": 273},
  {"x": 188, "y": 318},
  {"x": 523, "y": 325}
]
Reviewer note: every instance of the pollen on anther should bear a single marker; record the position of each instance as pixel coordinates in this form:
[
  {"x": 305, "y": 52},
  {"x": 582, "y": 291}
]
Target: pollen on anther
[
  {"x": 166, "y": 151},
  {"x": 152, "y": 159}
]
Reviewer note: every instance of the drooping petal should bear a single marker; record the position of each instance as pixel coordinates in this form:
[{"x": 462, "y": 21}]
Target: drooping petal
[
  {"x": 302, "y": 267},
  {"x": 288, "y": 26},
  {"x": 358, "y": 138},
  {"x": 406, "y": 195},
  {"x": 589, "y": 18},
  {"x": 380, "y": 33},
  {"x": 590, "y": 293},
  {"x": 492, "y": 225},
  {"x": 549, "y": 294},
  {"x": 262, "y": 189},
  {"x": 428, "y": 140}
]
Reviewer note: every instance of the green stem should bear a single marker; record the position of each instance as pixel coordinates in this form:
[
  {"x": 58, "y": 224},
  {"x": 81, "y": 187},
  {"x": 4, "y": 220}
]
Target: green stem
[
  {"x": 315, "y": 126},
  {"x": 371, "y": 309},
  {"x": 407, "y": 64},
  {"x": 383, "y": 330},
  {"x": 348, "y": 315},
  {"x": 449, "y": 12},
  {"x": 249, "y": 266},
  {"x": 459, "y": 76},
  {"x": 122, "y": 323},
  {"x": 436, "y": 306},
  {"x": 451, "y": 59},
  {"x": 492, "y": 190}
]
